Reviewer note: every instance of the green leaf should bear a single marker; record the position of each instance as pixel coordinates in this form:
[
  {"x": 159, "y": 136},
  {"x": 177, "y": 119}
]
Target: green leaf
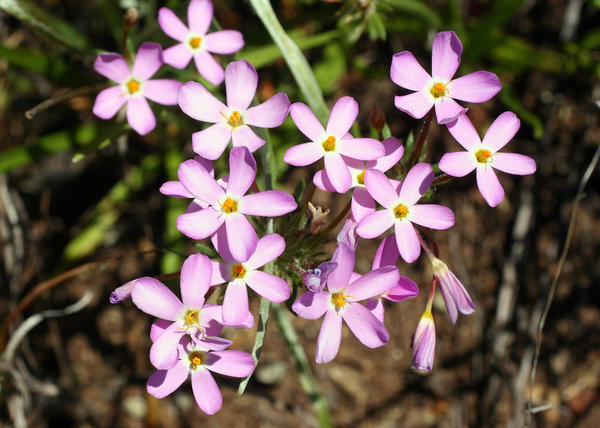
[{"x": 419, "y": 8}]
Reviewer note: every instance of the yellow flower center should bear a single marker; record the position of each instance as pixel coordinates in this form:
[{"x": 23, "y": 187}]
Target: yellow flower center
[
  {"x": 195, "y": 359},
  {"x": 338, "y": 300},
  {"x": 361, "y": 177},
  {"x": 238, "y": 271},
  {"x": 235, "y": 119},
  {"x": 438, "y": 90},
  {"x": 195, "y": 42},
  {"x": 483, "y": 156},
  {"x": 133, "y": 86},
  {"x": 191, "y": 317},
  {"x": 229, "y": 206},
  {"x": 329, "y": 144},
  {"x": 401, "y": 211}
]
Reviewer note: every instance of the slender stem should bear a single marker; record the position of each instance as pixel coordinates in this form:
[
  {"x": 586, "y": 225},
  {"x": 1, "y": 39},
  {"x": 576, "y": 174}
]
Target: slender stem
[
  {"x": 436, "y": 251},
  {"x": 442, "y": 179},
  {"x": 341, "y": 216},
  {"x": 422, "y": 137},
  {"x": 431, "y": 294},
  {"x": 67, "y": 95}
]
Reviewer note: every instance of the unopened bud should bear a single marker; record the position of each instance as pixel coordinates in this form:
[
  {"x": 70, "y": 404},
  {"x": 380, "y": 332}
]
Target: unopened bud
[
  {"x": 131, "y": 17},
  {"x": 423, "y": 344},
  {"x": 123, "y": 292},
  {"x": 377, "y": 118},
  {"x": 455, "y": 295},
  {"x": 317, "y": 217}
]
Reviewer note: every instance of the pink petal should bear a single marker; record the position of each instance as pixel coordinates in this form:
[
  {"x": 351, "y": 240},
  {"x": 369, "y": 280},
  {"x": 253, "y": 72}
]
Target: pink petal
[
  {"x": 235, "y": 303},
  {"x": 361, "y": 148},
  {"x": 342, "y": 117},
  {"x": 408, "y": 243},
  {"x": 221, "y": 273},
  {"x": 163, "y": 353},
  {"x": 447, "y": 110},
  {"x": 416, "y": 104},
  {"x": 268, "y": 248},
  {"x": 199, "y": 182},
  {"x": 224, "y": 42},
  {"x": 380, "y": 188},
  {"x": 175, "y": 189},
  {"x": 163, "y": 382},
  {"x": 242, "y": 167},
  {"x": 475, "y": 87},
  {"x": 374, "y": 283},
  {"x": 330, "y": 336},
  {"x": 464, "y": 132},
  {"x": 243, "y": 136},
  {"x": 240, "y": 84},
  {"x": 311, "y": 306},
  {"x": 340, "y": 276},
  {"x": 195, "y": 278},
  {"x": 177, "y": 56},
  {"x": 172, "y": 25},
  {"x": 338, "y": 173},
  {"x": 209, "y": 68},
  {"x": 362, "y": 203},
  {"x": 162, "y": 91},
  {"x": 405, "y": 289},
  {"x": 213, "y": 343},
  {"x": 375, "y": 224},
  {"x": 417, "y": 181},
  {"x": 112, "y": 66},
  {"x": 147, "y": 60},
  {"x": 501, "y": 131},
  {"x": 269, "y": 286},
  {"x": 230, "y": 363},
  {"x": 375, "y": 306},
  {"x": 206, "y": 392},
  {"x": 108, "y": 102},
  {"x": 269, "y": 114},
  {"x": 307, "y": 122},
  {"x": 387, "y": 253},
  {"x": 140, "y": 116},
  {"x": 154, "y": 298},
  {"x": 198, "y": 103},
  {"x": 211, "y": 142},
  {"x": 200, "y": 13},
  {"x": 366, "y": 327},
  {"x": 445, "y": 55},
  {"x": 406, "y": 72},
  {"x": 157, "y": 328},
  {"x": 458, "y": 164},
  {"x": 393, "y": 151},
  {"x": 321, "y": 180},
  {"x": 200, "y": 224},
  {"x": 514, "y": 163},
  {"x": 433, "y": 216},
  {"x": 219, "y": 241},
  {"x": 303, "y": 154},
  {"x": 489, "y": 186},
  {"x": 241, "y": 237},
  {"x": 270, "y": 203}
]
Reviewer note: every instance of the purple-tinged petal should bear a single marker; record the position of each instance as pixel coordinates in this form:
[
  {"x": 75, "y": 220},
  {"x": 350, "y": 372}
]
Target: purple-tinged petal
[
  {"x": 206, "y": 392},
  {"x": 200, "y": 13},
  {"x": 241, "y": 80},
  {"x": 423, "y": 344},
  {"x": 464, "y": 132},
  {"x": 501, "y": 131},
  {"x": 140, "y": 116},
  {"x": 244, "y": 136},
  {"x": 514, "y": 163},
  {"x": 147, "y": 60},
  {"x": 361, "y": 148},
  {"x": 454, "y": 293},
  {"x": 408, "y": 242},
  {"x": 268, "y": 248},
  {"x": 163, "y": 353},
  {"x": 200, "y": 224},
  {"x": 198, "y": 103},
  {"x": 340, "y": 276},
  {"x": 178, "y": 56},
  {"x": 220, "y": 273},
  {"x": 224, "y": 42},
  {"x": 241, "y": 237},
  {"x": 172, "y": 25},
  {"x": 270, "y": 203},
  {"x": 235, "y": 303},
  {"x": 362, "y": 203},
  {"x": 209, "y": 68},
  {"x": 330, "y": 336},
  {"x": 475, "y": 87},
  {"x": 417, "y": 181},
  {"x": 347, "y": 236},
  {"x": 405, "y": 289},
  {"x": 199, "y": 182},
  {"x": 306, "y": 122},
  {"x": 366, "y": 327},
  {"x": 269, "y": 286},
  {"x": 269, "y": 114},
  {"x": 157, "y": 328},
  {"x": 154, "y": 298},
  {"x": 242, "y": 167},
  {"x": 321, "y": 180},
  {"x": 342, "y": 117},
  {"x": 338, "y": 172},
  {"x": 213, "y": 343},
  {"x": 162, "y": 91},
  {"x": 489, "y": 186},
  {"x": 380, "y": 188},
  {"x": 211, "y": 142},
  {"x": 393, "y": 151},
  {"x": 375, "y": 224},
  {"x": 303, "y": 154},
  {"x": 445, "y": 55},
  {"x": 311, "y": 306},
  {"x": 447, "y": 110},
  {"x": 416, "y": 104},
  {"x": 375, "y": 306},
  {"x": 458, "y": 164},
  {"x": 112, "y": 66},
  {"x": 175, "y": 189},
  {"x": 406, "y": 72},
  {"x": 163, "y": 382},
  {"x": 219, "y": 241},
  {"x": 123, "y": 292},
  {"x": 108, "y": 102},
  {"x": 374, "y": 283},
  {"x": 230, "y": 363},
  {"x": 387, "y": 253},
  {"x": 195, "y": 278},
  {"x": 433, "y": 216}
]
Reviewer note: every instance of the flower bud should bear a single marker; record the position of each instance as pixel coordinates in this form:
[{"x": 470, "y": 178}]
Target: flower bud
[
  {"x": 123, "y": 292},
  {"x": 317, "y": 217},
  {"x": 454, "y": 293},
  {"x": 348, "y": 234},
  {"x": 423, "y": 344}
]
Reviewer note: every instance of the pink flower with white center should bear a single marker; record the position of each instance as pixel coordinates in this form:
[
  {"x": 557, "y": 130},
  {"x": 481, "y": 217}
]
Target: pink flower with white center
[
  {"x": 331, "y": 143},
  {"x": 231, "y": 121},
  {"x": 198, "y": 362},
  {"x": 455, "y": 295},
  {"x": 387, "y": 255},
  {"x": 483, "y": 156},
  {"x": 177, "y": 190},
  {"x": 423, "y": 343},
  {"x": 362, "y": 203},
  {"x": 227, "y": 208},
  {"x": 241, "y": 275},
  {"x": 341, "y": 302},
  {"x": 134, "y": 86},
  {"x": 195, "y": 42},
  {"x": 401, "y": 209},
  {"x": 440, "y": 90}
]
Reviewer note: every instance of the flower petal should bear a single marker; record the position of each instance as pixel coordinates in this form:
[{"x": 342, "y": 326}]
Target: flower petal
[
  {"x": 196, "y": 273},
  {"x": 163, "y": 353},
  {"x": 306, "y": 122},
  {"x": 172, "y": 25},
  {"x": 140, "y": 116},
  {"x": 366, "y": 327},
  {"x": 206, "y": 392},
  {"x": 375, "y": 306},
  {"x": 213, "y": 343},
  {"x": 458, "y": 164},
  {"x": 374, "y": 283},
  {"x": 108, "y": 102},
  {"x": 514, "y": 163},
  {"x": 330, "y": 336},
  {"x": 178, "y": 56},
  {"x": 405, "y": 289},
  {"x": 241, "y": 237},
  {"x": 375, "y": 224},
  {"x": 338, "y": 173},
  {"x": 163, "y": 382},
  {"x": 157, "y": 328},
  {"x": 269, "y": 114},
  {"x": 199, "y": 182},
  {"x": 393, "y": 151},
  {"x": 361, "y": 148},
  {"x": 417, "y": 181},
  {"x": 224, "y": 42},
  {"x": 303, "y": 154},
  {"x": 269, "y": 286},
  {"x": 475, "y": 87},
  {"x": 200, "y": 224},
  {"x": 147, "y": 60},
  {"x": 219, "y": 241},
  {"x": 321, "y": 180},
  {"x": 501, "y": 131},
  {"x": 235, "y": 303},
  {"x": 244, "y": 136},
  {"x": 464, "y": 132},
  {"x": 380, "y": 187},
  {"x": 407, "y": 241},
  {"x": 198, "y": 103},
  {"x": 242, "y": 167},
  {"x": 362, "y": 203},
  {"x": 209, "y": 68},
  {"x": 211, "y": 142},
  {"x": 311, "y": 306},
  {"x": 175, "y": 189},
  {"x": 241, "y": 80},
  {"x": 433, "y": 216},
  {"x": 445, "y": 55},
  {"x": 200, "y": 13},
  {"x": 416, "y": 104},
  {"x": 270, "y": 203},
  {"x": 447, "y": 110},
  {"x": 268, "y": 248},
  {"x": 340, "y": 276},
  {"x": 230, "y": 363},
  {"x": 387, "y": 253},
  {"x": 154, "y": 298},
  {"x": 489, "y": 186},
  {"x": 162, "y": 91},
  {"x": 343, "y": 115},
  {"x": 406, "y": 72},
  {"x": 112, "y": 66}
]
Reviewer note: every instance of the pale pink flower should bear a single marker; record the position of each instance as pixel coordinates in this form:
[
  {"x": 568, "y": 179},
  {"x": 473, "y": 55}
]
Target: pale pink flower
[{"x": 455, "y": 295}]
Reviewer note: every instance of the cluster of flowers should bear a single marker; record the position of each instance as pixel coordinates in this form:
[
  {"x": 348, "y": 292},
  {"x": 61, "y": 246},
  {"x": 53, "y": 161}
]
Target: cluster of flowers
[{"x": 186, "y": 337}]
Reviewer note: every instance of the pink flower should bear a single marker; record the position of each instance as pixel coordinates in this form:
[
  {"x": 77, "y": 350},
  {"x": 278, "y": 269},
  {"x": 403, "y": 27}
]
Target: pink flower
[
  {"x": 231, "y": 121},
  {"x": 226, "y": 209},
  {"x": 195, "y": 42},
  {"x": 440, "y": 90},
  {"x": 331, "y": 143},
  {"x": 483, "y": 156},
  {"x": 197, "y": 361},
  {"x": 134, "y": 87},
  {"x": 423, "y": 343},
  {"x": 401, "y": 209},
  {"x": 362, "y": 202},
  {"x": 240, "y": 275},
  {"x": 341, "y": 302},
  {"x": 348, "y": 234},
  {"x": 315, "y": 279},
  {"x": 455, "y": 295}
]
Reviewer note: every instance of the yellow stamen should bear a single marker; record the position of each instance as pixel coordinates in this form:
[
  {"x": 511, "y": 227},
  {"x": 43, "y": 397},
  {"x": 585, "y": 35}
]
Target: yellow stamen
[
  {"x": 329, "y": 144},
  {"x": 133, "y": 86},
  {"x": 238, "y": 271},
  {"x": 195, "y": 42},
  {"x": 401, "y": 211},
  {"x": 191, "y": 317},
  {"x": 483, "y": 156},
  {"x": 229, "y": 206},
  {"x": 338, "y": 300},
  {"x": 195, "y": 359},
  {"x": 438, "y": 90},
  {"x": 235, "y": 119},
  {"x": 361, "y": 177}
]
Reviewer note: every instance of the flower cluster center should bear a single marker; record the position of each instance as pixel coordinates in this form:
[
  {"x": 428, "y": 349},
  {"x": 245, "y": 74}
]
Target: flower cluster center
[
  {"x": 338, "y": 300},
  {"x": 196, "y": 359},
  {"x": 195, "y": 42},
  {"x": 229, "y": 206},
  {"x": 238, "y": 271},
  {"x": 133, "y": 86},
  {"x": 439, "y": 90},
  {"x": 329, "y": 144},
  {"x": 401, "y": 211},
  {"x": 360, "y": 178},
  {"x": 191, "y": 317},
  {"x": 483, "y": 156},
  {"x": 235, "y": 119}
]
